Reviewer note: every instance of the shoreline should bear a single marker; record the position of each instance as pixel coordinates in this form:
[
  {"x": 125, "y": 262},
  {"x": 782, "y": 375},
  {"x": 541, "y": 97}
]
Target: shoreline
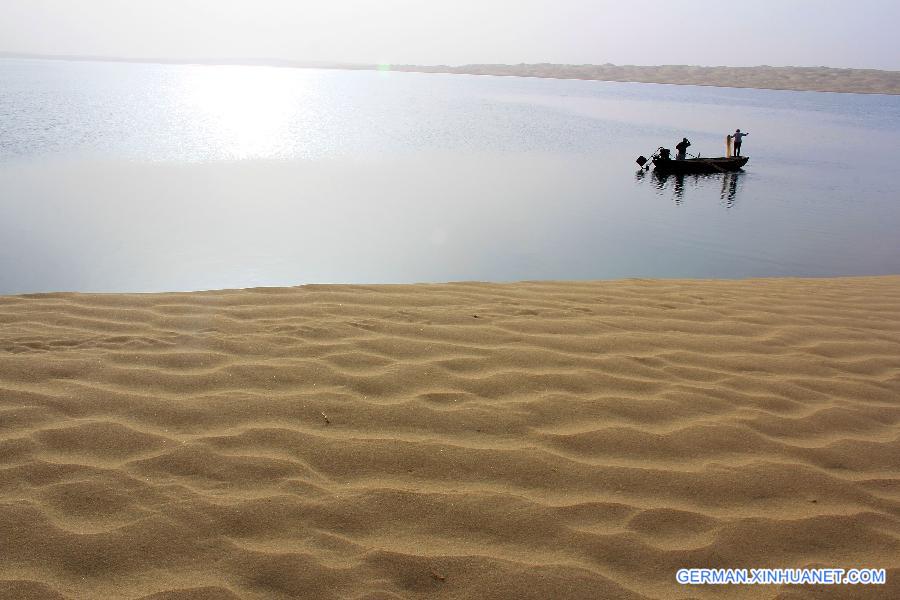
[
  {"x": 417, "y": 285},
  {"x": 799, "y": 79},
  {"x": 445, "y": 439}
]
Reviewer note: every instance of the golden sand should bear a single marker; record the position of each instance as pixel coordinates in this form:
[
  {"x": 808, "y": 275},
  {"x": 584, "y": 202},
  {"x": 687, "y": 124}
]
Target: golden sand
[
  {"x": 814, "y": 79},
  {"x": 483, "y": 441}
]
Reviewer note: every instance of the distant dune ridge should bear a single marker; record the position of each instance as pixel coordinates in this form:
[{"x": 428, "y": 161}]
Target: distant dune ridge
[
  {"x": 817, "y": 79},
  {"x": 537, "y": 440}
]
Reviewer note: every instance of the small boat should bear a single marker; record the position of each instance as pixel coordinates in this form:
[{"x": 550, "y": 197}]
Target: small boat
[
  {"x": 700, "y": 165},
  {"x": 662, "y": 160}
]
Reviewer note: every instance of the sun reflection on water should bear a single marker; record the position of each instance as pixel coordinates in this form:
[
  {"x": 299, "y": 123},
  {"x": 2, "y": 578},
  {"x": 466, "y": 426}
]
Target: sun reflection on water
[{"x": 247, "y": 111}]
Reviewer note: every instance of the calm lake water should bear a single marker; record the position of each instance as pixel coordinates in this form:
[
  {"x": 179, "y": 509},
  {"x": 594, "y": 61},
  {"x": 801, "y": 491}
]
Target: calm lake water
[{"x": 128, "y": 177}]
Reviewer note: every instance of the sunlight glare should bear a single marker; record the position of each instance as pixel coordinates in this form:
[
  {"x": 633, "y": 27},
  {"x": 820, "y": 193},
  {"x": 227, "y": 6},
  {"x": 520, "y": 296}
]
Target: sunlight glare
[{"x": 248, "y": 111}]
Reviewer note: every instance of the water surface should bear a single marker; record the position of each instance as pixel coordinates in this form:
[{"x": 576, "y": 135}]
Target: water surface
[{"x": 126, "y": 177}]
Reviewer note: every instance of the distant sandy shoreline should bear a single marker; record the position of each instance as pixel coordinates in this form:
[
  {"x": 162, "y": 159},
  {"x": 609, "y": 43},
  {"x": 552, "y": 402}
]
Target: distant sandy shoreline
[
  {"x": 810, "y": 79},
  {"x": 574, "y": 440},
  {"x": 816, "y": 79}
]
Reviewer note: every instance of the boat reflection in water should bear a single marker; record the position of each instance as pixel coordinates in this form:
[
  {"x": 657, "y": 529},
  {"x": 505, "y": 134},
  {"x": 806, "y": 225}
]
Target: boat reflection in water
[
  {"x": 679, "y": 182},
  {"x": 729, "y": 188}
]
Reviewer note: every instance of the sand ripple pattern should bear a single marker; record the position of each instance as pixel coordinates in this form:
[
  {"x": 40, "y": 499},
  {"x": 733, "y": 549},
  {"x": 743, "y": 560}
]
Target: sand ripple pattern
[{"x": 535, "y": 440}]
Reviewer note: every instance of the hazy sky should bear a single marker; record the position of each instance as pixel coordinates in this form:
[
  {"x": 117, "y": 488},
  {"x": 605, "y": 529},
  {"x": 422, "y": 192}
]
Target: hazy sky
[{"x": 861, "y": 33}]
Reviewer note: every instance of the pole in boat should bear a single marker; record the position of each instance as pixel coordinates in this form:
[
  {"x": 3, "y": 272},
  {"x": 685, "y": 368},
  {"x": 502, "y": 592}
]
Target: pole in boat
[{"x": 712, "y": 164}]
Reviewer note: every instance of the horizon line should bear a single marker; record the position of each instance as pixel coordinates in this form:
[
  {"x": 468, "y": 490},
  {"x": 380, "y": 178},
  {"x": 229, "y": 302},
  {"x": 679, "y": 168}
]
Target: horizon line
[{"x": 298, "y": 63}]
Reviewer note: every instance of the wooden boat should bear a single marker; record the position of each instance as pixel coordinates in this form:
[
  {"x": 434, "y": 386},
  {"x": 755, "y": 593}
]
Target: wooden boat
[{"x": 700, "y": 165}]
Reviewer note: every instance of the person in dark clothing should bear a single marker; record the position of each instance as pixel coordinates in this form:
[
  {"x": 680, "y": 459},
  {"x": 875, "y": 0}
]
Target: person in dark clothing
[
  {"x": 738, "y": 136},
  {"x": 682, "y": 147}
]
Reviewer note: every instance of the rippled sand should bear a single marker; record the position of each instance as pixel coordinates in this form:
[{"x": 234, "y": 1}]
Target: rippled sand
[{"x": 537, "y": 440}]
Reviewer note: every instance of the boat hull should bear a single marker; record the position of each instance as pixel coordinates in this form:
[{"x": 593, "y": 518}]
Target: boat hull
[{"x": 700, "y": 165}]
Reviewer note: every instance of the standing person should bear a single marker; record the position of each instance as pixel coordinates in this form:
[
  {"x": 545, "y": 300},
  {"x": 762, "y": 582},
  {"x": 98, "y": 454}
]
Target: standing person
[
  {"x": 682, "y": 147},
  {"x": 737, "y": 141}
]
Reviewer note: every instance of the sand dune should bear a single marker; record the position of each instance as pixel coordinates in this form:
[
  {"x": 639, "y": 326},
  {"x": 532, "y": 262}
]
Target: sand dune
[
  {"x": 536, "y": 440},
  {"x": 813, "y": 79}
]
